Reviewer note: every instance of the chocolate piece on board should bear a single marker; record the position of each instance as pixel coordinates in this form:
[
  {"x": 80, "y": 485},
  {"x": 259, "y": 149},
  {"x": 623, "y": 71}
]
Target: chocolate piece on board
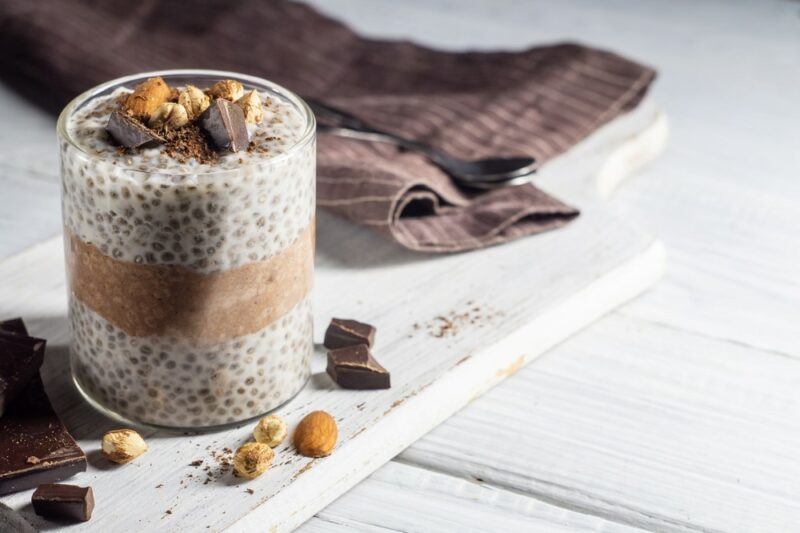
[
  {"x": 20, "y": 359},
  {"x": 353, "y": 367},
  {"x": 53, "y": 500},
  {"x": 14, "y": 325},
  {"x": 35, "y": 447},
  {"x": 343, "y": 332}
]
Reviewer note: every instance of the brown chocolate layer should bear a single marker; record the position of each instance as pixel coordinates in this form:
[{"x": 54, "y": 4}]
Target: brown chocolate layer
[{"x": 171, "y": 300}]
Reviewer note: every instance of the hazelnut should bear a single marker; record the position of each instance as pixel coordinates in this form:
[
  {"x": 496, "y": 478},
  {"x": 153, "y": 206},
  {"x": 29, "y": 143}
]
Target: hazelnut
[
  {"x": 228, "y": 89},
  {"x": 146, "y": 97},
  {"x": 251, "y": 105},
  {"x": 169, "y": 115},
  {"x": 270, "y": 430},
  {"x": 252, "y": 459},
  {"x": 194, "y": 100},
  {"x": 123, "y": 445},
  {"x": 316, "y": 434}
]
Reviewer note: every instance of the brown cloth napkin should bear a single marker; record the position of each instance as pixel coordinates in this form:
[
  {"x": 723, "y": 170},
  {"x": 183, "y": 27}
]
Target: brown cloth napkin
[{"x": 538, "y": 102}]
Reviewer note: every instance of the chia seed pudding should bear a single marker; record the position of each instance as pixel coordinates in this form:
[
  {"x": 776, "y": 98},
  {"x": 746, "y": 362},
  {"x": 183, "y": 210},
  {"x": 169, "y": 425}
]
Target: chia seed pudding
[{"x": 190, "y": 269}]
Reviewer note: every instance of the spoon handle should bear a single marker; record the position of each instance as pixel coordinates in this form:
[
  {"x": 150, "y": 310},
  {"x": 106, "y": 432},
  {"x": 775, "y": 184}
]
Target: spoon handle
[{"x": 351, "y": 126}]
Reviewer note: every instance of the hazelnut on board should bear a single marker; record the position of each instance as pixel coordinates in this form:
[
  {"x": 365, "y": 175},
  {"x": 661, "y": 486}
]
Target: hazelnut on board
[
  {"x": 251, "y": 105},
  {"x": 169, "y": 115},
  {"x": 228, "y": 89},
  {"x": 146, "y": 97},
  {"x": 252, "y": 459},
  {"x": 123, "y": 445},
  {"x": 194, "y": 100},
  {"x": 270, "y": 430},
  {"x": 316, "y": 434}
]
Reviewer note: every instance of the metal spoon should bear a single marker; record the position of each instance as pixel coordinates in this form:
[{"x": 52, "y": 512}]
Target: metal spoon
[{"x": 486, "y": 173}]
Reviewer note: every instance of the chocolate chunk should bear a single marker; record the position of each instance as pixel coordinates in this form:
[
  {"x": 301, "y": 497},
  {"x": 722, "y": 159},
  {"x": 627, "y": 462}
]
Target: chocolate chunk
[
  {"x": 10, "y": 520},
  {"x": 14, "y": 325},
  {"x": 35, "y": 447},
  {"x": 130, "y": 133},
  {"x": 63, "y": 501},
  {"x": 343, "y": 332},
  {"x": 353, "y": 367},
  {"x": 20, "y": 359},
  {"x": 224, "y": 122}
]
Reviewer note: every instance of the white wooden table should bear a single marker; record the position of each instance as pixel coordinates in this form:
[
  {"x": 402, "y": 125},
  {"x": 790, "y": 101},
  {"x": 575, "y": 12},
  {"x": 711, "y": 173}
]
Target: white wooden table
[{"x": 678, "y": 412}]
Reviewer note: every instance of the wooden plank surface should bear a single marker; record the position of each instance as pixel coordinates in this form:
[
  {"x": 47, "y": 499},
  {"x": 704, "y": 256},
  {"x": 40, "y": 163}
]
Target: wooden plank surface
[
  {"x": 504, "y": 314},
  {"x": 643, "y": 424},
  {"x": 401, "y": 497}
]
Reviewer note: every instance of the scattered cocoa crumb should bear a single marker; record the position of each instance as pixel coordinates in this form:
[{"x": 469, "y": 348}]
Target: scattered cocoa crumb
[
  {"x": 168, "y": 511},
  {"x": 159, "y": 485},
  {"x": 249, "y": 491},
  {"x": 446, "y": 327},
  {"x": 449, "y": 325},
  {"x": 222, "y": 464}
]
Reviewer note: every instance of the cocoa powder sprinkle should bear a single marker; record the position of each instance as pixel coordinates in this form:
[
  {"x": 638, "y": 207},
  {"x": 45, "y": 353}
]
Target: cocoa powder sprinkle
[{"x": 188, "y": 142}]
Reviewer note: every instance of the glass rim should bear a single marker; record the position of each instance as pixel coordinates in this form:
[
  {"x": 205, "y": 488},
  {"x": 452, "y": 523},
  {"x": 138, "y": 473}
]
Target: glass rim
[{"x": 306, "y": 137}]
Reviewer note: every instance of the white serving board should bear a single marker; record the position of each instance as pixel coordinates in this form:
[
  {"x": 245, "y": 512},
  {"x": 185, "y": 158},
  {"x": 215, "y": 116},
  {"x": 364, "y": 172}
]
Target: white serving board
[{"x": 508, "y": 303}]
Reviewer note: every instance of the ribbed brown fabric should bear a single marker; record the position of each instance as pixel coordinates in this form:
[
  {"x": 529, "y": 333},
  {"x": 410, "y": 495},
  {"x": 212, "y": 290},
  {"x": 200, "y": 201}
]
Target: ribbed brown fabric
[{"x": 539, "y": 102}]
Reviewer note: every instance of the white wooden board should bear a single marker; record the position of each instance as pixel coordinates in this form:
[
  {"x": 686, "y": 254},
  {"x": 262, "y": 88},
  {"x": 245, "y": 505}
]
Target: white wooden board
[{"x": 509, "y": 303}]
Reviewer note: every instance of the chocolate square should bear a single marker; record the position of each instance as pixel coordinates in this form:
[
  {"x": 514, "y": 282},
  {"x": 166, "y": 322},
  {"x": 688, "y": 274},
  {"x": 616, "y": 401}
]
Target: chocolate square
[
  {"x": 70, "y": 502},
  {"x": 130, "y": 133},
  {"x": 344, "y": 332},
  {"x": 225, "y": 124},
  {"x": 353, "y": 367}
]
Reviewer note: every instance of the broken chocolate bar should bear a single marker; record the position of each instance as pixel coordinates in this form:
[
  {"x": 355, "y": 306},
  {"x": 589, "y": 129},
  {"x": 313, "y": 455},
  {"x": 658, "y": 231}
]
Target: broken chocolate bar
[
  {"x": 10, "y": 520},
  {"x": 130, "y": 133},
  {"x": 353, "y": 367},
  {"x": 14, "y": 325},
  {"x": 225, "y": 124},
  {"x": 63, "y": 501},
  {"x": 343, "y": 332},
  {"x": 20, "y": 359},
  {"x": 35, "y": 447}
]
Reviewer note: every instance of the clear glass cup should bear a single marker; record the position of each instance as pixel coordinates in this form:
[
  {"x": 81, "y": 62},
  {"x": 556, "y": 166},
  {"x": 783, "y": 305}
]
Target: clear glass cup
[{"x": 189, "y": 289}]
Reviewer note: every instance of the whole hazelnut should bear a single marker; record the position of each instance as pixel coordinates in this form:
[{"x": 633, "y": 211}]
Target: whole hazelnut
[
  {"x": 252, "y": 459},
  {"x": 228, "y": 89},
  {"x": 123, "y": 445},
  {"x": 251, "y": 105},
  {"x": 194, "y": 101},
  {"x": 270, "y": 430},
  {"x": 169, "y": 115}
]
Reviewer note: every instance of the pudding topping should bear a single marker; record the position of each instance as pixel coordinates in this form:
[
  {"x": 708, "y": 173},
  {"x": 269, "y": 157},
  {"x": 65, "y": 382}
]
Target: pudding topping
[{"x": 189, "y": 122}]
